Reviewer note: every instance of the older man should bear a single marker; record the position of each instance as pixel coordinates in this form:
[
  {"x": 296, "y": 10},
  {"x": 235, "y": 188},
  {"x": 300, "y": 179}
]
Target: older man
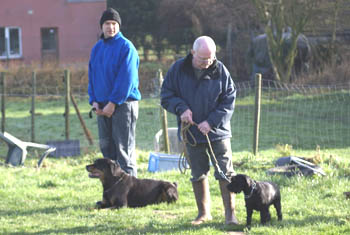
[{"x": 199, "y": 90}]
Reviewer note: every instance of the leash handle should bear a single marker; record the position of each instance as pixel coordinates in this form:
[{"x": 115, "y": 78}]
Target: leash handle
[{"x": 92, "y": 110}]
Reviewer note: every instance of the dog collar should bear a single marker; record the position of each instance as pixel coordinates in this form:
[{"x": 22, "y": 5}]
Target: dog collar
[
  {"x": 119, "y": 180},
  {"x": 251, "y": 192}
]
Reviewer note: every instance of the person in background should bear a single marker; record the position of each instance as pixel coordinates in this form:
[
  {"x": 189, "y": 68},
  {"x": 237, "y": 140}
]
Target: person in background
[
  {"x": 199, "y": 90},
  {"x": 113, "y": 91}
]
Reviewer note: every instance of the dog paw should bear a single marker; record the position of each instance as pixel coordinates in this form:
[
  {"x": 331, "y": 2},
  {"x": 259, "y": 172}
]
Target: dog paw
[{"x": 99, "y": 205}]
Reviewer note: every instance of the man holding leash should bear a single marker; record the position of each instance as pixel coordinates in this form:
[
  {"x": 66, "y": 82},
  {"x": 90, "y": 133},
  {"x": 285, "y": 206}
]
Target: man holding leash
[
  {"x": 199, "y": 90},
  {"x": 113, "y": 92}
]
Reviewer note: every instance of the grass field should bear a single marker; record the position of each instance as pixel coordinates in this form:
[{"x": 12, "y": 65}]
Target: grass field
[{"x": 59, "y": 198}]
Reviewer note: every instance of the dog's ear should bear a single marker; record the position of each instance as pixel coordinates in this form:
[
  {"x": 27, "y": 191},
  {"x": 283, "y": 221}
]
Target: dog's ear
[
  {"x": 248, "y": 180},
  {"x": 110, "y": 161},
  {"x": 115, "y": 168},
  {"x": 171, "y": 193},
  {"x": 174, "y": 183}
]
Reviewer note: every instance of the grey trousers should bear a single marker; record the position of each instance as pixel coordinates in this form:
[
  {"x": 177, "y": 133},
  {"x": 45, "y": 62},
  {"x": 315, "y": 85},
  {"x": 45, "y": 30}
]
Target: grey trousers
[
  {"x": 117, "y": 136},
  {"x": 200, "y": 159}
]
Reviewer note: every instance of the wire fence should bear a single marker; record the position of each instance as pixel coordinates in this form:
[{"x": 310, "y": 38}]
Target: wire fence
[{"x": 301, "y": 116}]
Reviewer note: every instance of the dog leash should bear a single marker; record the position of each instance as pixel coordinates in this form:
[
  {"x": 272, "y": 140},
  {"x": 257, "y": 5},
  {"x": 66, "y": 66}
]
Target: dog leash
[
  {"x": 251, "y": 192},
  {"x": 183, "y": 161},
  {"x": 92, "y": 110},
  {"x": 186, "y": 129}
]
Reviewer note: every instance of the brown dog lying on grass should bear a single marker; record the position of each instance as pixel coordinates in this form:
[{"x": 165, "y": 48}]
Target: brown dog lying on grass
[{"x": 123, "y": 190}]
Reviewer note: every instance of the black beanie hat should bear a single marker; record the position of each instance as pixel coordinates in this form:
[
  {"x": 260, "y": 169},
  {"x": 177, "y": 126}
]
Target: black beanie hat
[{"x": 110, "y": 14}]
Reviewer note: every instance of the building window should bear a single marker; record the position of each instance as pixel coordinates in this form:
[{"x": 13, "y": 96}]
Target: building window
[
  {"x": 10, "y": 43},
  {"x": 49, "y": 44},
  {"x": 49, "y": 39}
]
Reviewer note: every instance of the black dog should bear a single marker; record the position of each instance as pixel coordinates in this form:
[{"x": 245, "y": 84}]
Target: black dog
[
  {"x": 258, "y": 196},
  {"x": 123, "y": 190}
]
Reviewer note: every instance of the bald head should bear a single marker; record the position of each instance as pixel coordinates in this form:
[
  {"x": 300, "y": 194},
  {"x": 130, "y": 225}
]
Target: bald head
[
  {"x": 203, "y": 52},
  {"x": 204, "y": 43}
]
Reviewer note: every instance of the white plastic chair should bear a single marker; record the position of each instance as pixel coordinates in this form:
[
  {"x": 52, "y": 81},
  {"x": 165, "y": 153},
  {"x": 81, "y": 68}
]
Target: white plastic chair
[{"x": 17, "y": 151}]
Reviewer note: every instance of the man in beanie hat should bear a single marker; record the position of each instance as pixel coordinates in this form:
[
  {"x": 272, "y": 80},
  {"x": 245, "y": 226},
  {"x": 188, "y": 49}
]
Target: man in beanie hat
[
  {"x": 110, "y": 14},
  {"x": 113, "y": 91}
]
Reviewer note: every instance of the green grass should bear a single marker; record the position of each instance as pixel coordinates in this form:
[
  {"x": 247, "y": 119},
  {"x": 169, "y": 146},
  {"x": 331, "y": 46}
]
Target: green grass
[{"x": 59, "y": 197}]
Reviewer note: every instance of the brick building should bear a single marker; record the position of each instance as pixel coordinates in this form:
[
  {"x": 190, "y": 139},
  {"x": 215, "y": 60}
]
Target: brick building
[{"x": 44, "y": 30}]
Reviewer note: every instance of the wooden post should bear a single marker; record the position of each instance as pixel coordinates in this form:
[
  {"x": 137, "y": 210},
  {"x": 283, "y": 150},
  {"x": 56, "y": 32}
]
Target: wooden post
[
  {"x": 67, "y": 94},
  {"x": 3, "y": 93},
  {"x": 86, "y": 130},
  {"x": 164, "y": 118},
  {"x": 229, "y": 46},
  {"x": 257, "y": 112},
  {"x": 33, "y": 105}
]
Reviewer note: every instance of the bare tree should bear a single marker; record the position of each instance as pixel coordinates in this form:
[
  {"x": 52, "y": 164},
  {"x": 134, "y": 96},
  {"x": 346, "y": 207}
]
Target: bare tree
[{"x": 277, "y": 15}]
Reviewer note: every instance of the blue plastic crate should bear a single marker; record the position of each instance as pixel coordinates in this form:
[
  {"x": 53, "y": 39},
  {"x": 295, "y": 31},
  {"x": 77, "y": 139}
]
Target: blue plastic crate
[{"x": 163, "y": 162}]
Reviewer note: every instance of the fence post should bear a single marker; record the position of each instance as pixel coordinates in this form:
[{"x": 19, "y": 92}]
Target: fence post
[
  {"x": 163, "y": 117},
  {"x": 3, "y": 91},
  {"x": 67, "y": 94},
  {"x": 33, "y": 104},
  {"x": 257, "y": 112},
  {"x": 229, "y": 54}
]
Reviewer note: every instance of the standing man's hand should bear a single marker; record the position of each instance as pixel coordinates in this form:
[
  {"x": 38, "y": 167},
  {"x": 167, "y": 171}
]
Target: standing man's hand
[
  {"x": 186, "y": 117},
  {"x": 204, "y": 127},
  {"x": 108, "y": 110}
]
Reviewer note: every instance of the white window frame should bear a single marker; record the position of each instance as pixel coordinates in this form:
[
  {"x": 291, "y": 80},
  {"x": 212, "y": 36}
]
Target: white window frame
[{"x": 8, "y": 54}]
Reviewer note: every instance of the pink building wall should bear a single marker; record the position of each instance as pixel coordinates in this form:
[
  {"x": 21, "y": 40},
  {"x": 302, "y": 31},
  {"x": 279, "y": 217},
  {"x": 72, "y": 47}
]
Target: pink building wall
[{"x": 77, "y": 23}]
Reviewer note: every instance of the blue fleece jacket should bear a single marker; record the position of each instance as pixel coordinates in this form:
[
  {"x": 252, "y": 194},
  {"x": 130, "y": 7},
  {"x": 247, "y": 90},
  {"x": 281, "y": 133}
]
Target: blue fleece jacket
[{"x": 113, "y": 71}]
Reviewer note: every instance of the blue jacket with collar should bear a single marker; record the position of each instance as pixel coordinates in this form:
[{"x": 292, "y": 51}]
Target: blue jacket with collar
[
  {"x": 210, "y": 98},
  {"x": 113, "y": 71}
]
